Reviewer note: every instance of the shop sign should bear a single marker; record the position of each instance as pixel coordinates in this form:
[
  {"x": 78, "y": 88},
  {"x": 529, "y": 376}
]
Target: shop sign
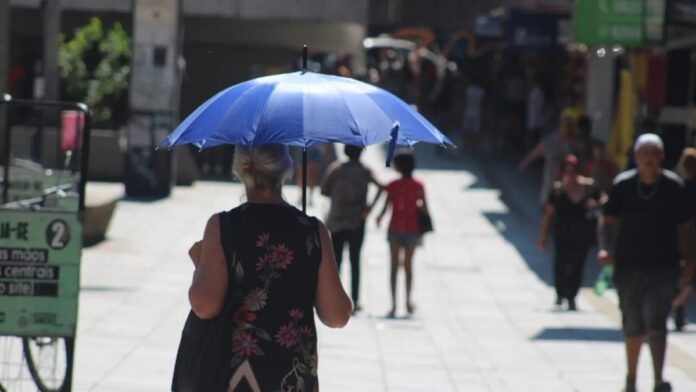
[
  {"x": 39, "y": 272},
  {"x": 609, "y": 22}
]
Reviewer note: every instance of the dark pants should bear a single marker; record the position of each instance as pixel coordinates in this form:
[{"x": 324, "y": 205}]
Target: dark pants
[
  {"x": 354, "y": 238},
  {"x": 568, "y": 265}
]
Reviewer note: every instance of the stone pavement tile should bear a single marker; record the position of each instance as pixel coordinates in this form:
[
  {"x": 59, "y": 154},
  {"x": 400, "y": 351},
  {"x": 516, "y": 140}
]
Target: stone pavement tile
[
  {"x": 88, "y": 371},
  {"x": 145, "y": 368},
  {"x": 347, "y": 387},
  {"x": 423, "y": 378},
  {"x": 524, "y": 383}
]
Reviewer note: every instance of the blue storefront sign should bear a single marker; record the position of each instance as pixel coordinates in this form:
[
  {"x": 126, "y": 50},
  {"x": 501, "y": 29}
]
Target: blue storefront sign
[{"x": 528, "y": 31}]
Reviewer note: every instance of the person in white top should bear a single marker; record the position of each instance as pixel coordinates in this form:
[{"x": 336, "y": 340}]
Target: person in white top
[{"x": 535, "y": 112}]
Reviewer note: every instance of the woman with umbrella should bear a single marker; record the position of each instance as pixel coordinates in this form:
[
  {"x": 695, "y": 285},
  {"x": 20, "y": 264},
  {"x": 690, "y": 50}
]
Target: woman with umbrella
[
  {"x": 264, "y": 264},
  {"x": 287, "y": 268}
]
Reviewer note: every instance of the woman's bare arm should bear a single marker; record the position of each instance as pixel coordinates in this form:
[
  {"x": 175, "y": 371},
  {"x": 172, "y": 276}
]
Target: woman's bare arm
[
  {"x": 536, "y": 153},
  {"x": 209, "y": 287},
  {"x": 547, "y": 218},
  {"x": 332, "y": 303}
]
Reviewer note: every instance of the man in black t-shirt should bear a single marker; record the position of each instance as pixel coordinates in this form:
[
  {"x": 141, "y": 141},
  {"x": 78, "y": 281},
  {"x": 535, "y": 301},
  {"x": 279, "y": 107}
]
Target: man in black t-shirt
[{"x": 646, "y": 233}]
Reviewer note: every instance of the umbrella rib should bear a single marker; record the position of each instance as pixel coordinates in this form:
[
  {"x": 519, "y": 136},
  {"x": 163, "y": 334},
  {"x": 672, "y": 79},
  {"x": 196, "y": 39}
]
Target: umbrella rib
[
  {"x": 239, "y": 101},
  {"x": 343, "y": 102},
  {"x": 262, "y": 112},
  {"x": 417, "y": 116}
]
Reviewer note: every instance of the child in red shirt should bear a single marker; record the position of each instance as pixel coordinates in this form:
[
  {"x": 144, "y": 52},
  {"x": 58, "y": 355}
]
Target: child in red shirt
[{"x": 405, "y": 196}]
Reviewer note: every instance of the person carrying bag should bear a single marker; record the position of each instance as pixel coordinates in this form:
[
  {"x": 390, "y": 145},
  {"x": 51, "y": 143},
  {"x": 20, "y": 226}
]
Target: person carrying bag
[{"x": 262, "y": 269}]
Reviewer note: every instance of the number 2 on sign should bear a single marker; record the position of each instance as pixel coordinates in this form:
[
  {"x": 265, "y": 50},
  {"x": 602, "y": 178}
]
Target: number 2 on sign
[{"x": 57, "y": 234}]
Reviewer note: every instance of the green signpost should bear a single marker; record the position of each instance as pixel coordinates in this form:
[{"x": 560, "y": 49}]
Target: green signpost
[
  {"x": 609, "y": 22},
  {"x": 39, "y": 273}
]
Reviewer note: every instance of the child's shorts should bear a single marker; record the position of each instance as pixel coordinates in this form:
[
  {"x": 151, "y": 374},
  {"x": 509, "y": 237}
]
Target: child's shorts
[{"x": 405, "y": 239}]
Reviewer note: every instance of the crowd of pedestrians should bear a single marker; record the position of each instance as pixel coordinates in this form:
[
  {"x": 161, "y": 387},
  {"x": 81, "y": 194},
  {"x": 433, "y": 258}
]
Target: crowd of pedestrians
[{"x": 640, "y": 220}]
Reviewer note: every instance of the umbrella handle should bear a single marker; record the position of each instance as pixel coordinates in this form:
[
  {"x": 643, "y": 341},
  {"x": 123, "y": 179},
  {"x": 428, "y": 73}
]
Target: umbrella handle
[{"x": 392, "y": 143}]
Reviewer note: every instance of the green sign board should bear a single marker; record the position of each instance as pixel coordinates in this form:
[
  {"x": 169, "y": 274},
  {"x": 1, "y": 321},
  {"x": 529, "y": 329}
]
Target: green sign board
[
  {"x": 39, "y": 272},
  {"x": 609, "y": 22}
]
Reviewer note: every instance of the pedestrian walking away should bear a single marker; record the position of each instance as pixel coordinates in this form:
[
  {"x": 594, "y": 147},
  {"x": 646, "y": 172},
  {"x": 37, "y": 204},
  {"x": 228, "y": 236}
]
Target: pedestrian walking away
[
  {"x": 571, "y": 211},
  {"x": 405, "y": 196},
  {"x": 645, "y": 231},
  {"x": 261, "y": 270},
  {"x": 347, "y": 185},
  {"x": 553, "y": 148}
]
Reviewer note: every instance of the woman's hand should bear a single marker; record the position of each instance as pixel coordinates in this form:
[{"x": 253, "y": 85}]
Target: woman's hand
[
  {"x": 195, "y": 252},
  {"x": 604, "y": 257}
]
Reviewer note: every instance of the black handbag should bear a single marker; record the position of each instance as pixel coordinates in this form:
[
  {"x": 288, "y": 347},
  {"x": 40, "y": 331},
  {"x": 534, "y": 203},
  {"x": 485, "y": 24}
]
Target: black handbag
[
  {"x": 205, "y": 349},
  {"x": 425, "y": 223}
]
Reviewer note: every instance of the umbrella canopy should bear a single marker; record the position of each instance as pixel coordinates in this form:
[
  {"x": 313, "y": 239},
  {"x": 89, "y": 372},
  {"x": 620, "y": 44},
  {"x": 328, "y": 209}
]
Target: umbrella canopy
[{"x": 304, "y": 109}]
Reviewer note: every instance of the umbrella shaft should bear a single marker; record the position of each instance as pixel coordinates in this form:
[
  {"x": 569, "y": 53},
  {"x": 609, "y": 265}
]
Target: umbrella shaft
[{"x": 304, "y": 179}]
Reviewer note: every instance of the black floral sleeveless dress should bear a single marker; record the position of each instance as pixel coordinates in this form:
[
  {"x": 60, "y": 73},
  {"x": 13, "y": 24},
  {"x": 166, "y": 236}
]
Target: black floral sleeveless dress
[{"x": 275, "y": 263}]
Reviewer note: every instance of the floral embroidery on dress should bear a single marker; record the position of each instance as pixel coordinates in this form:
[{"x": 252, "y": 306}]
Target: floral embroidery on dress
[
  {"x": 246, "y": 336},
  {"x": 300, "y": 337},
  {"x": 245, "y": 345},
  {"x": 256, "y": 300},
  {"x": 281, "y": 256},
  {"x": 270, "y": 328}
]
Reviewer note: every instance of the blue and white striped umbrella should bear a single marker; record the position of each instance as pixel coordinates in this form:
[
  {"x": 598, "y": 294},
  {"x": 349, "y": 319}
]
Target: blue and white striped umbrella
[{"x": 304, "y": 109}]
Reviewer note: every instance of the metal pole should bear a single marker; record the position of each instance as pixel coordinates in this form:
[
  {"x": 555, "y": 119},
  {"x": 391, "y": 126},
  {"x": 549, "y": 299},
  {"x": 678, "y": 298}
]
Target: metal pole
[
  {"x": 304, "y": 149},
  {"x": 84, "y": 170},
  {"x": 6, "y": 151},
  {"x": 304, "y": 179}
]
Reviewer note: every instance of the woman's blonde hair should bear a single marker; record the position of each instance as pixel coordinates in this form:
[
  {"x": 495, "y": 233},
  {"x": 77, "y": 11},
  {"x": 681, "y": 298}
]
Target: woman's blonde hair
[
  {"x": 262, "y": 167},
  {"x": 687, "y": 163}
]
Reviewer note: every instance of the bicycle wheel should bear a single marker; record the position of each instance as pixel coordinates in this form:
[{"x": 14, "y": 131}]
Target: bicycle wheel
[
  {"x": 13, "y": 370},
  {"x": 50, "y": 362}
]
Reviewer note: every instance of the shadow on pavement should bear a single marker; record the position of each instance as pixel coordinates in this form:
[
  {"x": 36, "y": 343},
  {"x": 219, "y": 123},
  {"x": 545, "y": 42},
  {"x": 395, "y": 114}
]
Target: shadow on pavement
[
  {"x": 432, "y": 157},
  {"x": 580, "y": 334},
  {"x": 522, "y": 235}
]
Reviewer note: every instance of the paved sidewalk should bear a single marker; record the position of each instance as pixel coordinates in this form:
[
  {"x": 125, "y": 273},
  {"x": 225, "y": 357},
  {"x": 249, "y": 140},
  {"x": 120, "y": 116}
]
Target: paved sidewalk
[{"x": 484, "y": 320}]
